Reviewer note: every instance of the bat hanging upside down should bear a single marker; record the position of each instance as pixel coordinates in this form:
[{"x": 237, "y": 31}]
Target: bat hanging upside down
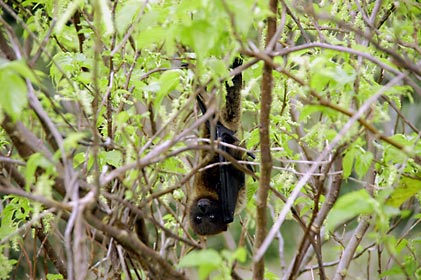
[{"x": 217, "y": 190}]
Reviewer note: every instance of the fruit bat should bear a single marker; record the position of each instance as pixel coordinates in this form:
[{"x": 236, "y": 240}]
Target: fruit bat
[{"x": 218, "y": 190}]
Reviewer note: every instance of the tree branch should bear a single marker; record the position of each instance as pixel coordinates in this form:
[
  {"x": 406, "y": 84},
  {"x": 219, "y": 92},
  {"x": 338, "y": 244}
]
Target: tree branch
[
  {"x": 266, "y": 156},
  {"x": 160, "y": 267}
]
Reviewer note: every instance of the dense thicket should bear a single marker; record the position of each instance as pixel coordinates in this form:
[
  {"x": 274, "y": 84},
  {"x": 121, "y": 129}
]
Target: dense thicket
[{"x": 99, "y": 138}]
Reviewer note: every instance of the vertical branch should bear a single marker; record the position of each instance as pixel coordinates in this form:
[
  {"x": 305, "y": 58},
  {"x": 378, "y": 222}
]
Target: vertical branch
[
  {"x": 96, "y": 100},
  {"x": 110, "y": 81},
  {"x": 347, "y": 255},
  {"x": 266, "y": 158}
]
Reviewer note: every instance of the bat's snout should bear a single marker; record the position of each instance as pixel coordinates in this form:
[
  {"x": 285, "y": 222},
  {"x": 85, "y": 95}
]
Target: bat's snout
[{"x": 204, "y": 204}]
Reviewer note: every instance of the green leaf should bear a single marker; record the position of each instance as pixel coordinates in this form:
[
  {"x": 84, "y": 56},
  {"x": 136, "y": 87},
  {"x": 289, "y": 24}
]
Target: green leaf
[
  {"x": 106, "y": 16},
  {"x": 310, "y": 109},
  {"x": 348, "y": 162},
  {"x": 394, "y": 270},
  {"x": 407, "y": 188},
  {"x": 206, "y": 260},
  {"x": 269, "y": 275},
  {"x": 78, "y": 159},
  {"x": 36, "y": 160},
  {"x": 72, "y": 140},
  {"x": 66, "y": 13},
  {"x": 17, "y": 210},
  {"x": 400, "y": 245},
  {"x": 54, "y": 276},
  {"x": 394, "y": 155},
  {"x": 253, "y": 138},
  {"x": 13, "y": 95},
  {"x": 167, "y": 82},
  {"x": 122, "y": 118},
  {"x": 218, "y": 68},
  {"x": 243, "y": 15},
  {"x": 6, "y": 264},
  {"x": 113, "y": 158},
  {"x": 238, "y": 255},
  {"x": 20, "y": 67},
  {"x": 150, "y": 36},
  {"x": 348, "y": 206},
  {"x": 362, "y": 162},
  {"x": 201, "y": 36},
  {"x": 360, "y": 157},
  {"x": 8, "y": 224},
  {"x": 124, "y": 15}
]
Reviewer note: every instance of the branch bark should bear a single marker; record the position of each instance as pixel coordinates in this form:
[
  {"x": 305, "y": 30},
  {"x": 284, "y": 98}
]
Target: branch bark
[
  {"x": 305, "y": 253},
  {"x": 149, "y": 258},
  {"x": 349, "y": 251},
  {"x": 266, "y": 157}
]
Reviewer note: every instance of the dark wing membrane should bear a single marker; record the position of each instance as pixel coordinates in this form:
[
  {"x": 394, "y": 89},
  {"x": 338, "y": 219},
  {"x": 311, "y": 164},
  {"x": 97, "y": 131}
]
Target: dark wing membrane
[
  {"x": 249, "y": 166},
  {"x": 231, "y": 180},
  {"x": 202, "y": 105}
]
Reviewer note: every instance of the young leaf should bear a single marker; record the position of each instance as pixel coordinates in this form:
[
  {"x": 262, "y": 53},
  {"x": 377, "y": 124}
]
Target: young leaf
[
  {"x": 66, "y": 13},
  {"x": 20, "y": 67},
  {"x": 363, "y": 161},
  {"x": 36, "y": 160},
  {"x": 407, "y": 188},
  {"x": 348, "y": 206},
  {"x": 54, "y": 276},
  {"x": 113, "y": 158},
  {"x": 6, "y": 264},
  {"x": 348, "y": 162},
  {"x": 13, "y": 96},
  {"x": 167, "y": 82},
  {"x": 207, "y": 261},
  {"x": 72, "y": 140}
]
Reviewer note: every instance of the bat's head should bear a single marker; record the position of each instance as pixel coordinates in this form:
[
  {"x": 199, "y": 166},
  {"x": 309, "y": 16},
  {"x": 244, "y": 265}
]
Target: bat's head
[{"x": 206, "y": 217}]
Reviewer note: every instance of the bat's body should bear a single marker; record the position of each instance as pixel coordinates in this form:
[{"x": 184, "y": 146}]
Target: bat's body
[{"x": 218, "y": 189}]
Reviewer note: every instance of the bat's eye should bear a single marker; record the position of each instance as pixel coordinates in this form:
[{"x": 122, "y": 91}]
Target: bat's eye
[{"x": 198, "y": 219}]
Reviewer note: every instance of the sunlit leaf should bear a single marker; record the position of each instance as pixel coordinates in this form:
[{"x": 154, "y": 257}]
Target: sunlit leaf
[
  {"x": 349, "y": 206},
  {"x": 13, "y": 95},
  {"x": 406, "y": 189},
  {"x": 167, "y": 82},
  {"x": 54, "y": 276},
  {"x": 363, "y": 161},
  {"x": 206, "y": 260},
  {"x": 36, "y": 160},
  {"x": 310, "y": 109},
  {"x": 66, "y": 13},
  {"x": 348, "y": 163},
  {"x": 20, "y": 67},
  {"x": 113, "y": 158},
  {"x": 72, "y": 140}
]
